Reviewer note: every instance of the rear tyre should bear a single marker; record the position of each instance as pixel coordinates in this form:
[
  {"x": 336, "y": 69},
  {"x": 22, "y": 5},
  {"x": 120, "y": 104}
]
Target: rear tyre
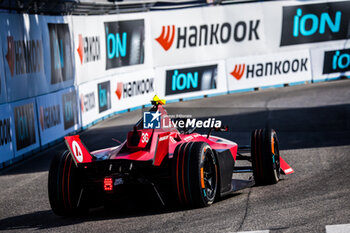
[
  {"x": 64, "y": 186},
  {"x": 195, "y": 174},
  {"x": 265, "y": 156}
]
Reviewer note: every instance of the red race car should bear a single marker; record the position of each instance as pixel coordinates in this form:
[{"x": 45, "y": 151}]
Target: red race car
[{"x": 174, "y": 164}]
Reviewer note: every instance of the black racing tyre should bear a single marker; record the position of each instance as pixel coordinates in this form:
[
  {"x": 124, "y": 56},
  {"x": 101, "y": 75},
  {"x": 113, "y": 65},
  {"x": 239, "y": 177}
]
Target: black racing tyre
[
  {"x": 195, "y": 174},
  {"x": 65, "y": 189},
  {"x": 265, "y": 156}
]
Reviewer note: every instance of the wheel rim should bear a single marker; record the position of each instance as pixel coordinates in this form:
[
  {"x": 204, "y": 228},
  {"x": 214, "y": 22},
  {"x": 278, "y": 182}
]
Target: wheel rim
[
  {"x": 275, "y": 157},
  {"x": 210, "y": 179}
]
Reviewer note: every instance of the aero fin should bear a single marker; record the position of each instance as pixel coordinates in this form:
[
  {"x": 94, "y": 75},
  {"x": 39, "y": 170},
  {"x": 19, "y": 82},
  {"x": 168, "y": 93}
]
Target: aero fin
[
  {"x": 156, "y": 100},
  {"x": 285, "y": 167},
  {"x": 78, "y": 150}
]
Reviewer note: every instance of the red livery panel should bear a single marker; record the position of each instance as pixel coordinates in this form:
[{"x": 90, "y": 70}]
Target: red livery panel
[{"x": 78, "y": 150}]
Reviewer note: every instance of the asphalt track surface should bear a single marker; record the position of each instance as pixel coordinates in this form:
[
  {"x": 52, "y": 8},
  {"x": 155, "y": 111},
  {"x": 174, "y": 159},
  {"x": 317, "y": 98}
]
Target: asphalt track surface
[{"x": 313, "y": 125}]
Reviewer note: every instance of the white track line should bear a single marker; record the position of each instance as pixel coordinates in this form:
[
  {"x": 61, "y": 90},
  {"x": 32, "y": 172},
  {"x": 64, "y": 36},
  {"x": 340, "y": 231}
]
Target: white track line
[
  {"x": 266, "y": 231},
  {"x": 343, "y": 228}
]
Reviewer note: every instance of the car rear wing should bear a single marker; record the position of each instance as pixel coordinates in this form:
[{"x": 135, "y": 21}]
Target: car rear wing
[{"x": 78, "y": 150}]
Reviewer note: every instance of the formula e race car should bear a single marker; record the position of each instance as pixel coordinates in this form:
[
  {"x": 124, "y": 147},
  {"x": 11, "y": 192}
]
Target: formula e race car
[{"x": 171, "y": 163}]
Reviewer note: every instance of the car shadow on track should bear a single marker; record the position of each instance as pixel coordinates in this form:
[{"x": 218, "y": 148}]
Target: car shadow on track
[
  {"x": 297, "y": 128},
  {"x": 46, "y": 219}
]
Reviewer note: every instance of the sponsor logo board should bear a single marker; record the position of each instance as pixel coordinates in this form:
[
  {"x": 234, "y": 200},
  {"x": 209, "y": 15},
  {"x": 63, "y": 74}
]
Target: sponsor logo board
[
  {"x": 272, "y": 69},
  {"x": 61, "y": 53},
  {"x": 198, "y": 37},
  {"x": 6, "y": 133},
  {"x": 124, "y": 43},
  {"x": 88, "y": 102},
  {"x": 24, "y": 57},
  {"x": 24, "y": 125},
  {"x": 135, "y": 88},
  {"x": 70, "y": 109},
  {"x": 315, "y": 23},
  {"x": 3, "y": 94},
  {"x": 104, "y": 96},
  {"x": 192, "y": 79},
  {"x": 183, "y": 37},
  {"x": 336, "y": 61},
  {"x": 89, "y": 49},
  {"x": 330, "y": 63},
  {"x": 50, "y": 116}
]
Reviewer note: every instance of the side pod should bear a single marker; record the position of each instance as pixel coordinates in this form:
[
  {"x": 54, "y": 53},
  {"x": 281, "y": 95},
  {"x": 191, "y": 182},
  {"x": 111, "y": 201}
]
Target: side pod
[{"x": 78, "y": 150}]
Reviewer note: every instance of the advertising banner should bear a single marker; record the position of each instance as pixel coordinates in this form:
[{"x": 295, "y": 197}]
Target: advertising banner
[
  {"x": 291, "y": 25},
  {"x": 120, "y": 92},
  {"x": 95, "y": 100},
  {"x": 3, "y": 95},
  {"x": 316, "y": 22},
  {"x": 58, "y": 114},
  {"x": 88, "y": 35},
  {"x": 207, "y": 34},
  {"x": 88, "y": 102},
  {"x": 107, "y": 45},
  {"x": 331, "y": 62},
  {"x": 191, "y": 80},
  {"x": 26, "y": 136},
  {"x": 104, "y": 96},
  {"x": 58, "y": 52},
  {"x": 6, "y": 133},
  {"x": 133, "y": 89},
  {"x": 267, "y": 70},
  {"x": 70, "y": 110},
  {"x": 22, "y": 49},
  {"x": 126, "y": 43}
]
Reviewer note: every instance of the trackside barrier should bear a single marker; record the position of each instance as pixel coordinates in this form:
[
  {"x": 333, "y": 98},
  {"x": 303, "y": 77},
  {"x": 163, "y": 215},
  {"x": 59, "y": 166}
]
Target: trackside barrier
[
  {"x": 58, "y": 114},
  {"x": 23, "y": 62},
  {"x": 191, "y": 81},
  {"x": 36, "y": 53},
  {"x": 321, "y": 27},
  {"x": 330, "y": 63},
  {"x": 3, "y": 94},
  {"x": 268, "y": 70},
  {"x": 111, "y": 45},
  {"x": 62, "y": 74},
  {"x": 104, "y": 97},
  {"x": 207, "y": 34},
  {"x": 58, "y": 52},
  {"x": 6, "y": 134},
  {"x": 26, "y": 132}
]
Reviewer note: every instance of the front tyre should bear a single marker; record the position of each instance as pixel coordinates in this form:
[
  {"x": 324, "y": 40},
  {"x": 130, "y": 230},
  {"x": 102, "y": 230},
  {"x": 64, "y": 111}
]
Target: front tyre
[
  {"x": 265, "y": 156},
  {"x": 64, "y": 186},
  {"x": 195, "y": 174}
]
